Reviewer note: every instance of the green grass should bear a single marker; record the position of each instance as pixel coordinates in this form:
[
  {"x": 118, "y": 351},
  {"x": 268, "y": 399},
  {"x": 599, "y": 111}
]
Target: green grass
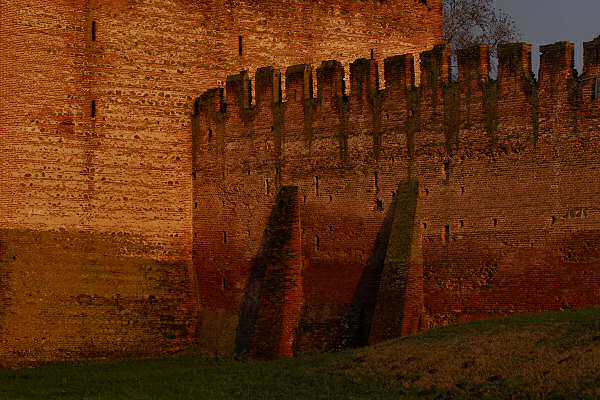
[{"x": 537, "y": 356}]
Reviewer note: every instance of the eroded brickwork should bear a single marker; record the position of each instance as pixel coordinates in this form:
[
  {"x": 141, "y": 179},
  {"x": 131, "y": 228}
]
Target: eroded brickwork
[
  {"x": 508, "y": 179},
  {"x": 96, "y": 199}
]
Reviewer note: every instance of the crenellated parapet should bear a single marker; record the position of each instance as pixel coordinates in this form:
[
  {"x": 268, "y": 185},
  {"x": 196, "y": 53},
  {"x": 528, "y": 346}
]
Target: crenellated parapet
[
  {"x": 588, "y": 90},
  {"x": 442, "y": 196},
  {"x": 557, "y": 91},
  {"x": 440, "y": 117},
  {"x": 477, "y": 99}
]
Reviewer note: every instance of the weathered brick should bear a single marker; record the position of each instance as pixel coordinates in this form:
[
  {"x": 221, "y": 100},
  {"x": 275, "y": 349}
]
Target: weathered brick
[
  {"x": 507, "y": 221},
  {"x": 132, "y": 214}
]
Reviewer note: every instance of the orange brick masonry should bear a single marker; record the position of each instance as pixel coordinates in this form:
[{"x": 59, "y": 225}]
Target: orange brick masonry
[{"x": 280, "y": 213}]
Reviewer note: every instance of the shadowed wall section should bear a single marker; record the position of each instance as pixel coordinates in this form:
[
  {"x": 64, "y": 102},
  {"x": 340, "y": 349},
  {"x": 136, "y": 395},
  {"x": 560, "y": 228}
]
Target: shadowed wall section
[
  {"x": 281, "y": 295},
  {"x": 79, "y": 288}
]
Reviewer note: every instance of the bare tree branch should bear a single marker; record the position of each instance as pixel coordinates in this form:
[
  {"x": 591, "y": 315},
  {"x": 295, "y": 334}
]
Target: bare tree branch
[{"x": 471, "y": 22}]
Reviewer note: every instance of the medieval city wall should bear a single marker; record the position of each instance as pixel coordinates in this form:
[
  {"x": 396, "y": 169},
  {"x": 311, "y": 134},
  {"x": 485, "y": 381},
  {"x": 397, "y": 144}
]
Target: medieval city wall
[
  {"x": 96, "y": 201},
  {"x": 418, "y": 206}
]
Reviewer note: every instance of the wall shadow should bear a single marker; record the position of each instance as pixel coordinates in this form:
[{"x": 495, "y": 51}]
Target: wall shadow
[
  {"x": 269, "y": 252},
  {"x": 365, "y": 296}
]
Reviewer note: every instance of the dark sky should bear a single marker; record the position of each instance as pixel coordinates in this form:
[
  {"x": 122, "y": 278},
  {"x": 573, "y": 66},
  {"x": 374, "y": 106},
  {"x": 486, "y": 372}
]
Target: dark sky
[{"x": 548, "y": 21}]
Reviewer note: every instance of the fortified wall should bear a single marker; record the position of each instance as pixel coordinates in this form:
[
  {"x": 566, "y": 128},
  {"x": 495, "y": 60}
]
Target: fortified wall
[
  {"x": 343, "y": 219},
  {"x": 280, "y": 227},
  {"x": 96, "y": 152}
]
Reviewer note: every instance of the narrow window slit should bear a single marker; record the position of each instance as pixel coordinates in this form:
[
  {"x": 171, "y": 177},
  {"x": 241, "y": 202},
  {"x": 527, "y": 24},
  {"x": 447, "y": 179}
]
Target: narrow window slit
[
  {"x": 240, "y": 45},
  {"x": 93, "y": 110},
  {"x": 93, "y": 31},
  {"x": 447, "y": 171}
]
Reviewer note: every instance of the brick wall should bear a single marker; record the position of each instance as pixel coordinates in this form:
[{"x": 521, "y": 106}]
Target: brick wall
[
  {"x": 508, "y": 189},
  {"x": 280, "y": 301},
  {"x": 96, "y": 202}
]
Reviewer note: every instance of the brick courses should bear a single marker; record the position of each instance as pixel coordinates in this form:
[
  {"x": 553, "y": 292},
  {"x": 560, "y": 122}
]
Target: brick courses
[
  {"x": 508, "y": 217},
  {"x": 96, "y": 210}
]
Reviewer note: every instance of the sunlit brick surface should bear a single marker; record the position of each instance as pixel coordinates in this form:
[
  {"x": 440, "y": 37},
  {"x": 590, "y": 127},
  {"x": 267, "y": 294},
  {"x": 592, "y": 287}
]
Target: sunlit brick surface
[{"x": 96, "y": 155}]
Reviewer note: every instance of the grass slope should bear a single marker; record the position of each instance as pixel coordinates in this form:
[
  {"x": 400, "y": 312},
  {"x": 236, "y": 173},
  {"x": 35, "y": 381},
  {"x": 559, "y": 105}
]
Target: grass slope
[{"x": 538, "y": 356}]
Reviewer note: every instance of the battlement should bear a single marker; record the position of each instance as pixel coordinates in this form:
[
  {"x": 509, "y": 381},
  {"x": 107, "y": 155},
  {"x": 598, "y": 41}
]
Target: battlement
[
  {"x": 439, "y": 116},
  {"x": 416, "y": 206}
]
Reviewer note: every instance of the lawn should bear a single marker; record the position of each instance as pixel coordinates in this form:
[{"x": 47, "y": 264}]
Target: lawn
[{"x": 545, "y": 356}]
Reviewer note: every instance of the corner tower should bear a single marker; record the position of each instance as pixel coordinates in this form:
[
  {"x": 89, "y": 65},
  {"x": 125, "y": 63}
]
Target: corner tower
[{"x": 96, "y": 202}]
